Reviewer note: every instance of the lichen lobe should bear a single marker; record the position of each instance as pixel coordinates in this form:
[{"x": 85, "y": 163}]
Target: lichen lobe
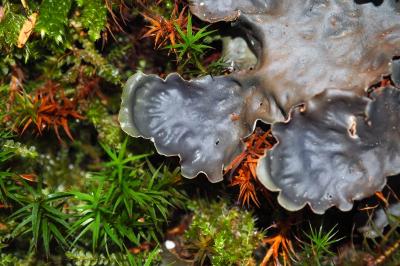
[
  {"x": 323, "y": 54},
  {"x": 194, "y": 120},
  {"x": 305, "y": 47},
  {"x": 340, "y": 149}
]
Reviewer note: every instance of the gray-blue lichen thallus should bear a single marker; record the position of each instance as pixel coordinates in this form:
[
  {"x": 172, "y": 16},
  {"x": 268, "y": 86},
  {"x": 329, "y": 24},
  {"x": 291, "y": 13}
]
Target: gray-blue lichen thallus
[{"x": 322, "y": 55}]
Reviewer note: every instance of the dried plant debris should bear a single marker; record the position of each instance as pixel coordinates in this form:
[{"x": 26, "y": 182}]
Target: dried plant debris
[
  {"x": 381, "y": 219},
  {"x": 27, "y": 30},
  {"x": 323, "y": 54},
  {"x": 331, "y": 152},
  {"x": 237, "y": 54}
]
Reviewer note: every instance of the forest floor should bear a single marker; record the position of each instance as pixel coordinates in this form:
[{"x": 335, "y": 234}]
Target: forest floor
[{"x": 76, "y": 190}]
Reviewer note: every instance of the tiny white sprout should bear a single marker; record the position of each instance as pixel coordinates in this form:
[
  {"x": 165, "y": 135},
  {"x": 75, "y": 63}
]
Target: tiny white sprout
[{"x": 169, "y": 244}]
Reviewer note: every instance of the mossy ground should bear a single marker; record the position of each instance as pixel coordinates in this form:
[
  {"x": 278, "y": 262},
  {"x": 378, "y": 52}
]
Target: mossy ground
[{"x": 75, "y": 190}]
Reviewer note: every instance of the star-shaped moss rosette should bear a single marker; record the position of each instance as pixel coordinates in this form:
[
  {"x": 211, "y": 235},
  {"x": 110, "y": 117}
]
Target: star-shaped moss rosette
[{"x": 321, "y": 54}]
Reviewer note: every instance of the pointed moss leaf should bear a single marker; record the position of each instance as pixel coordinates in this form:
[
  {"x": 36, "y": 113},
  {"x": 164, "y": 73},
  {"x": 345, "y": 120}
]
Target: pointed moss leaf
[
  {"x": 151, "y": 257},
  {"x": 46, "y": 236},
  {"x": 57, "y": 234}
]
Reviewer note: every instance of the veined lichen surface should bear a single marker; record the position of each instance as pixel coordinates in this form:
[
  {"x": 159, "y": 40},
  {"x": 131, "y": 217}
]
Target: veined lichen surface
[{"x": 315, "y": 61}]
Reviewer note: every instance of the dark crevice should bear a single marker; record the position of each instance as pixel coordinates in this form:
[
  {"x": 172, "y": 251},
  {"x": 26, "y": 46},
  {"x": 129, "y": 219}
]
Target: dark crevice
[{"x": 375, "y": 2}]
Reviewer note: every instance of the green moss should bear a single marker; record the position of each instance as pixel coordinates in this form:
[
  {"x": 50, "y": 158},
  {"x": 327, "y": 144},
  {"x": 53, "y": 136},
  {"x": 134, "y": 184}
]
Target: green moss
[
  {"x": 226, "y": 236},
  {"x": 102, "y": 67},
  {"x": 93, "y": 17},
  {"x": 53, "y": 19},
  {"x": 80, "y": 257},
  {"x": 10, "y": 27},
  {"x": 19, "y": 149},
  {"x": 7, "y": 259},
  {"x": 106, "y": 125}
]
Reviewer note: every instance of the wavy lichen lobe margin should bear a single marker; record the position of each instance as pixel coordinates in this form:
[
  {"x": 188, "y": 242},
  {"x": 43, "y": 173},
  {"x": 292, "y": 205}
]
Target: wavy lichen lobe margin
[
  {"x": 203, "y": 120},
  {"x": 197, "y": 120},
  {"x": 337, "y": 148},
  {"x": 125, "y": 116}
]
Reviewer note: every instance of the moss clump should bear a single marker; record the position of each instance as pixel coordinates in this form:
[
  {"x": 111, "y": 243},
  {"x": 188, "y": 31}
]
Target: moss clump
[
  {"x": 224, "y": 235},
  {"x": 81, "y": 257},
  {"x": 106, "y": 125}
]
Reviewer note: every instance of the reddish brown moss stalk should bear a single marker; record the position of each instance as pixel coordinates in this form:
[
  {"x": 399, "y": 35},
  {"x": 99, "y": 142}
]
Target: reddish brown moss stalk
[{"x": 244, "y": 165}]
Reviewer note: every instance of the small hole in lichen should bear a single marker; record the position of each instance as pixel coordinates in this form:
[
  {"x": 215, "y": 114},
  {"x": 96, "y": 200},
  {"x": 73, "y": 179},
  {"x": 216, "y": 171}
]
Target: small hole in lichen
[
  {"x": 353, "y": 127},
  {"x": 217, "y": 142},
  {"x": 302, "y": 108}
]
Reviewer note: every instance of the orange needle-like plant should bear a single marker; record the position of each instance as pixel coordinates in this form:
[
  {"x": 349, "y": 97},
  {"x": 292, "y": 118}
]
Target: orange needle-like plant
[
  {"x": 163, "y": 29},
  {"x": 48, "y": 108},
  {"x": 245, "y": 165},
  {"x": 276, "y": 243},
  {"x": 279, "y": 244},
  {"x": 382, "y": 197}
]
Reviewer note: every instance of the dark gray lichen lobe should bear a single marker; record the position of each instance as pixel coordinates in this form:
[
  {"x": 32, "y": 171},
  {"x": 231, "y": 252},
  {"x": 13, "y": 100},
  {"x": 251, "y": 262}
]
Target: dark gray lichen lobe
[
  {"x": 308, "y": 46},
  {"x": 323, "y": 54},
  {"x": 339, "y": 149},
  {"x": 189, "y": 119}
]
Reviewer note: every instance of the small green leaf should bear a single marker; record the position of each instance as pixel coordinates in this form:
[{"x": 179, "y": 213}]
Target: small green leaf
[
  {"x": 95, "y": 227},
  {"x": 36, "y": 218},
  {"x": 57, "y": 234},
  {"x": 112, "y": 235},
  {"x": 151, "y": 256},
  {"x": 46, "y": 236}
]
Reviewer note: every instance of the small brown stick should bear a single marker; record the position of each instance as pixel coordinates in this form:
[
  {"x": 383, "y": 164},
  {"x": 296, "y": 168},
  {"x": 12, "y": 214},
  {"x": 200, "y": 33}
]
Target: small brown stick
[{"x": 388, "y": 252}]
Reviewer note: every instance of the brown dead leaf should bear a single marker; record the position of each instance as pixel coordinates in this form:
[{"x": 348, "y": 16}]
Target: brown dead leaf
[
  {"x": 29, "y": 177},
  {"x": 24, "y": 4},
  {"x": 26, "y": 30},
  {"x": 2, "y": 13}
]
